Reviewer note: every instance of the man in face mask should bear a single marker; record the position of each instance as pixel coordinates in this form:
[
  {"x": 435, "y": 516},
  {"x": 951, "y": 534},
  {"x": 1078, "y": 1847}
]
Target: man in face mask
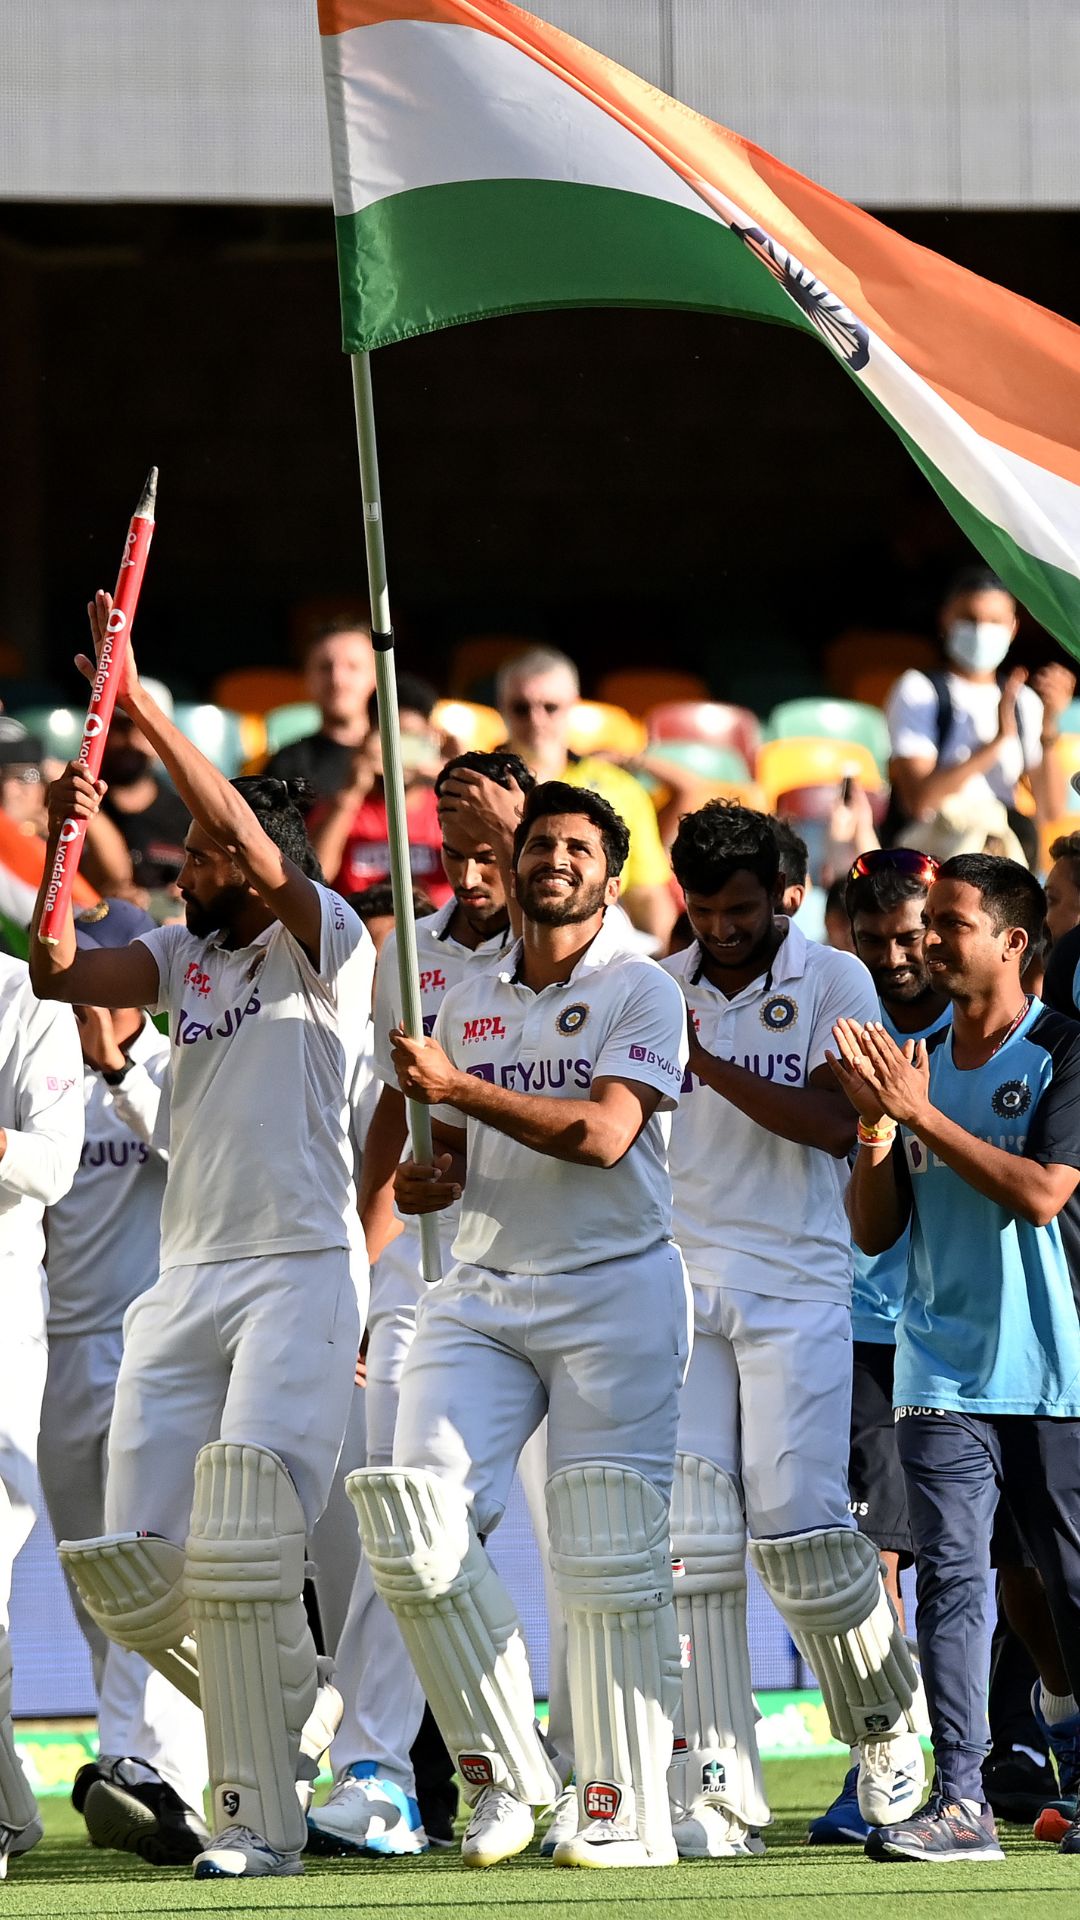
[
  {"x": 972, "y": 732},
  {"x": 151, "y": 819}
]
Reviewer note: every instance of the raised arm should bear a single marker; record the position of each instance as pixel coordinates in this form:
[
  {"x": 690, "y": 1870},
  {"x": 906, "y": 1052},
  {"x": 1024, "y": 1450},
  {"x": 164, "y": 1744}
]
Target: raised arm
[{"x": 108, "y": 976}]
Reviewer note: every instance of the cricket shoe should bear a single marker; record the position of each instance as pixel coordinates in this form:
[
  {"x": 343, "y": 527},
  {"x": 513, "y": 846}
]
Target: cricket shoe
[
  {"x": 1019, "y": 1785},
  {"x": 127, "y": 1805},
  {"x": 563, "y": 1824},
  {"x": 605, "y": 1843},
  {"x": 842, "y": 1824},
  {"x": 16, "y": 1840},
  {"x": 709, "y": 1832},
  {"x": 501, "y": 1826},
  {"x": 366, "y": 1814},
  {"x": 941, "y": 1831},
  {"x": 891, "y": 1778},
  {"x": 319, "y": 1729},
  {"x": 1056, "y": 1819},
  {"x": 238, "y": 1853}
]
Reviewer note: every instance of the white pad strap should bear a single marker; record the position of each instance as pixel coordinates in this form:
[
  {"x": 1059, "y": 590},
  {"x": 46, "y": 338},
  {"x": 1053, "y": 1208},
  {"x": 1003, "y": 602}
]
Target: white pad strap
[
  {"x": 459, "y": 1625},
  {"x": 244, "y": 1580},
  {"x": 828, "y": 1588},
  {"x": 611, "y": 1561},
  {"x": 17, "y": 1804},
  {"x": 708, "y": 1547},
  {"x": 131, "y": 1584}
]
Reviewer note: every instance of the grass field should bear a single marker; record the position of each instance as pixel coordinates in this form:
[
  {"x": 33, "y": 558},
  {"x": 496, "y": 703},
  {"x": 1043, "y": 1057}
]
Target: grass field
[{"x": 65, "y": 1879}]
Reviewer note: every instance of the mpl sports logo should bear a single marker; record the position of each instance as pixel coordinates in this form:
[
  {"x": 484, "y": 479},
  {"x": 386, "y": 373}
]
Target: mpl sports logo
[
  {"x": 488, "y": 1028},
  {"x": 195, "y": 977},
  {"x": 433, "y": 981}
]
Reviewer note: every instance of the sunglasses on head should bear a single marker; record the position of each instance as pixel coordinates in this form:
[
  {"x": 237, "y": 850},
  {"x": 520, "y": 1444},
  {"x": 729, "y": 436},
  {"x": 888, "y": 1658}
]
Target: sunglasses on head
[
  {"x": 920, "y": 866},
  {"x": 522, "y": 708}
]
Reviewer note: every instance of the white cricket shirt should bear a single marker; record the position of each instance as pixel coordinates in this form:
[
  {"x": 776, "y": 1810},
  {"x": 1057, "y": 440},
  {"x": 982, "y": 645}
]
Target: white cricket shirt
[
  {"x": 752, "y": 1210},
  {"x": 41, "y": 1109},
  {"x": 103, "y": 1236},
  {"x": 617, "y": 1016},
  {"x": 263, "y": 1055}
]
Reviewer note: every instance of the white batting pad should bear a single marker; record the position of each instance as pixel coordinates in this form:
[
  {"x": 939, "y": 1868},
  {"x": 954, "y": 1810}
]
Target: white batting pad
[
  {"x": 131, "y": 1584},
  {"x": 828, "y": 1588},
  {"x": 708, "y": 1550},
  {"x": 459, "y": 1626},
  {"x": 17, "y": 1804},
  {"x": 244, "y": 1579},
  {"x": 611, "y": 1560}
]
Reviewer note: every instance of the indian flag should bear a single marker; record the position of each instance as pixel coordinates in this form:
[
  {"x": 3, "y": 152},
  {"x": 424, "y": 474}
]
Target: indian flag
[{"x": 486, "y": 163}]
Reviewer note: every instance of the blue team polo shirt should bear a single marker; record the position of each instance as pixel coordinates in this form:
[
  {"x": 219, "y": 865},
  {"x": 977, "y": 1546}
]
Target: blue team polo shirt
[
  {"x": 880, "y": 1278},
  {"x": 989, "y": 1322}
]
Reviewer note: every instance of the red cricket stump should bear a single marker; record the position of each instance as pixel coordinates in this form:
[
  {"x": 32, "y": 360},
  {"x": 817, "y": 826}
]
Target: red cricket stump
[{"x": 102, "y": 701}]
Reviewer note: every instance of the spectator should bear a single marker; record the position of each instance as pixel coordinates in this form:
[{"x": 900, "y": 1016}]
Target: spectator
[
  {"x": 838, "y": 932},
  {"x": 970, "y": 733},
  {"x": 794, "y": 867},
  {"x": 1063, "y": 886},
  {"x": 22, "y": 785},
  {"x": 349, "y": 831},
  {"x": 149, "y": 816},
  {"x": 375, "y": 907},
  {"x": 340, "y": 670},
  {"x": 536, "y": 695}
]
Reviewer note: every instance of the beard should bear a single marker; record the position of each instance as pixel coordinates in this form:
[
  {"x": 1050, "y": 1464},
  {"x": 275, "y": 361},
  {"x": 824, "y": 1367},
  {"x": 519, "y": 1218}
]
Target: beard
[
  {"x": 123, "y": 766},
  {"x": 204, "y": 917},
  {"x": 581, "y": 903}
]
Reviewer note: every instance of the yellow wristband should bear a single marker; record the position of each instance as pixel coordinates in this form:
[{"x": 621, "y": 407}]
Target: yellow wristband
[{"x": 879, "y": 1135}]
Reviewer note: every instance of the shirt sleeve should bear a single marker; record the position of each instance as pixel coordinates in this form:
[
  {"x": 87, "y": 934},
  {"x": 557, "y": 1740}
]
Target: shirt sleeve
[
  {"x": 1053, "y": 1138},
  {"x": 647, "y": 1041},
  {"x": 162, "y": 944},
  {"x": 911, "y": 711},
  {"x": 387, "y": 1009},
  {"x": 1062, "y": 968},
  {"x": 343, "y": 938},
  {"x": 138, "y": 1097},
  {"x": 847, "y": 993},
  {"x": 42, "y": 1153}
]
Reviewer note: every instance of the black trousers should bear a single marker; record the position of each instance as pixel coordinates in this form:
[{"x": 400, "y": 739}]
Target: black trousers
[{"x": 957, "y": 1466}]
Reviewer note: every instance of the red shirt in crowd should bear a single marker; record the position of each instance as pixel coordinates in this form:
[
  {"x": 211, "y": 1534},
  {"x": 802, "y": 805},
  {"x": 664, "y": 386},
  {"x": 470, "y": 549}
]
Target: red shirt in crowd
[{"x": 366, "y": 858}]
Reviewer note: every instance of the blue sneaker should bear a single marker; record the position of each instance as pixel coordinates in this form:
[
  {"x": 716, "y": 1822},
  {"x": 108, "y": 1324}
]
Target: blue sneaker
[
  {"x": 841, "y": 1825},
  {"x": 366, "y": 1814}
]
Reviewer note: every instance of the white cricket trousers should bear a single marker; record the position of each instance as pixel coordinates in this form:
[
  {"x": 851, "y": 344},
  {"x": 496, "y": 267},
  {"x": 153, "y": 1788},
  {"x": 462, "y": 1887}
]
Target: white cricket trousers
[
  {"x": 259, "y": 1351},
  {"x": 768, "y": 1398},
  {"x": 139, "y": 1711},
  {"x": 23, "y": 1360}
]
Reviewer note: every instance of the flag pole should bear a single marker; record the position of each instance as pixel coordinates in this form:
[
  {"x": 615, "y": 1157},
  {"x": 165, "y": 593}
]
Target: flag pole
[{"x": 382, "y": 635}]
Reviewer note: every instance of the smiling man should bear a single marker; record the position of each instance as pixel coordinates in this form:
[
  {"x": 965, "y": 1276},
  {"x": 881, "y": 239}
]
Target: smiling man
[
  {"x": 758, "y": 1167},
  {"x": 552, "y": 1074},
  {"x": 974, "y": 1137}
]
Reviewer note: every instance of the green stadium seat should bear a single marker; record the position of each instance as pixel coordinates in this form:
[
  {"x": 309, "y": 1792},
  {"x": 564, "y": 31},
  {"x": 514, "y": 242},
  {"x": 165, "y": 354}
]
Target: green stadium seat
[
  {"x": 61, "y": 728},
  {"x": 292, "y": 722},
  {"x": 831, "y": 720},
  {"x": 216, "y": 731}
]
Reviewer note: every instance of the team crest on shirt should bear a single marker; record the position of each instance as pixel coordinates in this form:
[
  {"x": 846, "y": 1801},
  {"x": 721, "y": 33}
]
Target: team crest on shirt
[
  {"x": 571, "y": 1019},
  {"x": 1011, "y": 1099},
  {"x": 779, "y": 1013}
]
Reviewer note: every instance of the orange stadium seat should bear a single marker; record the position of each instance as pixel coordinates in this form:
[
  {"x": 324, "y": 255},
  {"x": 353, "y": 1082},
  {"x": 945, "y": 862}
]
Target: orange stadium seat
[
  {"x": 1069, "y": 760},
  {"x": 1055, "y": 830},
  {"x": 474, "y": 663},
  {"x": 258, "y": 689},
  {"x": 473, "y": 728},
  {"x": 783, "y": 765},
  {"x": 597, "y": 728},
  {"x": 871, "y": 685},
  {"x": 853, "y": 652},
  {"x": 639, "y": 688},
  {"x": 710, "y": 720}
]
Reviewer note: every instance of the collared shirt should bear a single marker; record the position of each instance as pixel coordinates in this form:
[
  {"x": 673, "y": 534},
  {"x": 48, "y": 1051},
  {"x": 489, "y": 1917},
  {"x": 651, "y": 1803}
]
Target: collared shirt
[
  {"x": 263, "y": 1056},
  {"x": 752, "y": 1210},
  {"x": 989, "y": 1322},
  {"x": 103, "y": 1236},
  {"x": 41, "y": 1110},
  {"x": 617, "y": 1016}
]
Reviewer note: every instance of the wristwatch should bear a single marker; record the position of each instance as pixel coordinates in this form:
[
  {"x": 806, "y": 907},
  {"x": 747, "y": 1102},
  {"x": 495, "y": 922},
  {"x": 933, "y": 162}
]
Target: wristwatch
[{"x": 116, "y": 1078}]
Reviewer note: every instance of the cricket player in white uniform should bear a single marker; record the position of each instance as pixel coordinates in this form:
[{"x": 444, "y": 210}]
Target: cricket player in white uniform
[
  {"x": 759, "y": 1170},
  {"x": 238, "y": 1366},
  {"x": 567, "y": 1297},
  {"x": 41, "y": 1135},
  {"x": 103, "y": 1247}
]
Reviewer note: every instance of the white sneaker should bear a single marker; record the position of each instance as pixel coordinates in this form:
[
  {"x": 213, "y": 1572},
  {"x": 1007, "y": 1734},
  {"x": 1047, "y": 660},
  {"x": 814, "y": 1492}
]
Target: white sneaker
[
  {"x": 604, "y": 1843},
  {"x": 239, "y": 1853},
  {"x": 16, "y": 1840},
  {"x": 708, "y": 1832},
  {"x": 501, "y": 1826},
  {"x": 563, "y": 1824},
  {"x": 319, "y": 1729},
  {"x": 366, "y": 1814},
  {"x": 891, "y": 1779}
]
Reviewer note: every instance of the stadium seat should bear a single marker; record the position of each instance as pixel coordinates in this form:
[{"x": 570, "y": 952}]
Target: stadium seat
[
  {"x": 709, "y": 761},
  {"x": 60, "y": 728},
  {"x": 851, "y": 653},
  {"x": 597, "y": 728},
  {"x": 720, "y": 725},
  {"x": 639, "y": 688},
  {"x": 1068, "y": 759},
  {"x": 258, "y": 689},
  {"x": 833, "y": 719},
  {"x": 817, "y": 803},
  {"x": 474, "y": 728},
  {"x": 783, "y": 765},
  {"x": 216, "y": 731},
  {"x": 474, "y": 663},
  {"x": 1054, "y": 830},
  {"x": 292, "y": 722},
  {"x": 1070, "y": 719},
  {"x": 871, "y": 686}
]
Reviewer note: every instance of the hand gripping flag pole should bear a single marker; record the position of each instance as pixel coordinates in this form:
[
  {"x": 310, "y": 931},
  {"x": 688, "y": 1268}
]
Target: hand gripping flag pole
[
  {"x": 382, "y": 635},
  {"x": 102, "y": 701}
]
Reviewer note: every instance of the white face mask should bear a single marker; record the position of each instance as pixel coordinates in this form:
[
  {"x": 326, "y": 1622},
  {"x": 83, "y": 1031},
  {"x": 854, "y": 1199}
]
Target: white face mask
[{"x": 979, "y": 645}]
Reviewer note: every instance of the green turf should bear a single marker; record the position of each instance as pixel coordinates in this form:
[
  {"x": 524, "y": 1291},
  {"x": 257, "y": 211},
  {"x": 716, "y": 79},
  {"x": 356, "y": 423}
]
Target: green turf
[{"x": 65, "y": 1879}]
